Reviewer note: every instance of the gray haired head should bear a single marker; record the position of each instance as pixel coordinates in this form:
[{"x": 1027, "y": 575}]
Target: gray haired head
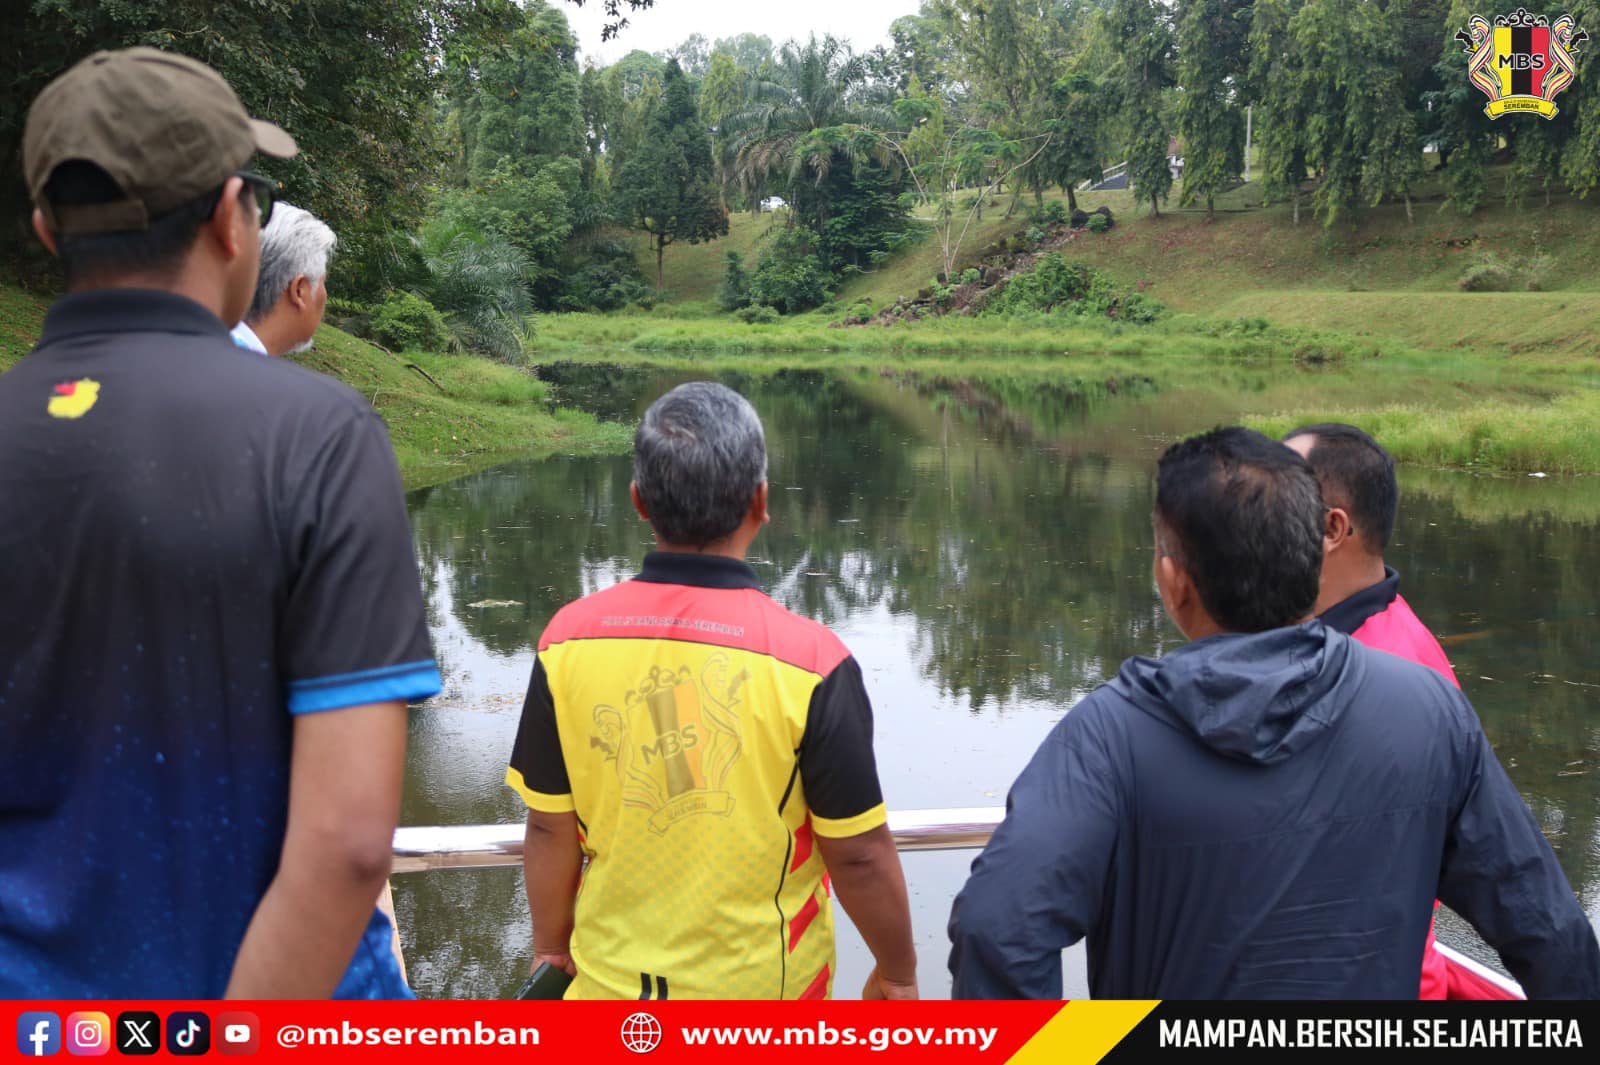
[
  {"x": 295, "y": 242},
  {"x": 698, "y": 458}
]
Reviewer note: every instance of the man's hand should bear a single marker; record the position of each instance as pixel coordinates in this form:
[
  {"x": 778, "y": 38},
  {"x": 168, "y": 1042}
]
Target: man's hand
[
  {"x": 552, "y": 865},
  {"x": 560, "y": 959},
  {"x": 869, "y": 884},
  {"x": 879, "y": 988}
]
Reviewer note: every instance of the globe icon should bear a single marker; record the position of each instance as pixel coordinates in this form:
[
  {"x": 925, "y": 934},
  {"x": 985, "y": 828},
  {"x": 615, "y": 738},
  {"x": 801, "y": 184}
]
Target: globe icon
[{"x": 641, "y": 1033}]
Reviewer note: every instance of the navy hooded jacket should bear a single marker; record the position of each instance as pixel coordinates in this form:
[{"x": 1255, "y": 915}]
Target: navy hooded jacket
[{"x": 1264, "y": 816}]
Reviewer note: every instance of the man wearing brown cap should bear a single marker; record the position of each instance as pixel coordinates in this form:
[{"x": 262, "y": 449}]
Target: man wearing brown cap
[{"x": 213, "y": 620}]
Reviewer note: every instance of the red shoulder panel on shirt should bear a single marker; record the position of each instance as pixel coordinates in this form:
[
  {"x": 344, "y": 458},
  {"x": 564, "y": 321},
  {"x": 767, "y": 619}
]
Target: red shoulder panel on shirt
[
  {"x": 1399, "y": 631},
  {"x": 741, "y": 618}
]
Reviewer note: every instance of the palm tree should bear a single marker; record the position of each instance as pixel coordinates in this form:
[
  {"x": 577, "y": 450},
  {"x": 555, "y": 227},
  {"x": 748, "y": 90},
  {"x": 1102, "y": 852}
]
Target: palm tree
[
  {"x": 816, "y": 111},
  {"x": 479, "y": 282}
]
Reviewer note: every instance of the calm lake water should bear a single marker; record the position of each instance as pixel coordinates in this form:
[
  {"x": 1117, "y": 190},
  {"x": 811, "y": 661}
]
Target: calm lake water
[{"x": 985, "y": 552}]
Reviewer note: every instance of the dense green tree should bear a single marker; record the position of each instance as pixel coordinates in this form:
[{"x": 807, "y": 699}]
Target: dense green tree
[
  {"x": 477, "y": 280},
  {"x": 1580, "y": 152},
  {"x": 527, "y": 146},
  {"x": 601, "y": 105},
  {"x": 723, "y": 90},
  {"x": 1073, "y": 153},
  {"x": 668, "y": 187},
  {"x": 807, "y": 132},
  {"x": 635, "y": 71},
  {"x": 1212, "y": 56},
  {"x": 750, "y": 52},
  {"x": 693, "y": 54},
  {"x": 1013, "y": 53},
  {"x": 354, "y": 81},
  {"x": 1276, "y": 71},
  {"x": 723, "y": 93},
  {"x": 919, "y": 48},
  {"x": 1144, "y": 32},
  {"x": 1358, "y": 134},
  {"x": 521, "y": 103}
]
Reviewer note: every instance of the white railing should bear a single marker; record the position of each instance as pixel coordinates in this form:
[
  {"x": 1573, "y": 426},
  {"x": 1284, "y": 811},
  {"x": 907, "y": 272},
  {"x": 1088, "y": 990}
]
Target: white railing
[{"x": 418, "y": 850}]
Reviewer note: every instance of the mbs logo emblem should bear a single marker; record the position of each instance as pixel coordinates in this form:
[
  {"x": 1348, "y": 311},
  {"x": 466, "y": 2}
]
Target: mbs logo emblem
[
  {"x": 674, "y": 740},
  {"x": 1522, "y": 61}
]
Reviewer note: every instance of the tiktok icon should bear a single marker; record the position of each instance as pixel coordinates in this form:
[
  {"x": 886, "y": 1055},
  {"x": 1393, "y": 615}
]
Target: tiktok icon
[{"x": 188, "y": 1033}]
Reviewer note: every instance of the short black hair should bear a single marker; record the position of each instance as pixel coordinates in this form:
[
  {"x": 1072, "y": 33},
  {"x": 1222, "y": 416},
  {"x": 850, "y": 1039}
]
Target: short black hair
[
  {"x": 159, "y": 249},
  {"x": 698, "y": 457},
  {"x": 1356, "y": 474},
  {"x": 1243, "y": 514}
]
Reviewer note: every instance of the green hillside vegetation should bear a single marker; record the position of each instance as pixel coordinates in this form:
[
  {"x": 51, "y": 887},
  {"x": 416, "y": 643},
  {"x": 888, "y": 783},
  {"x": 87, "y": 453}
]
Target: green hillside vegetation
[
  {"x": 1384, "y": 296},
  {"x": 471, "y": 414}
]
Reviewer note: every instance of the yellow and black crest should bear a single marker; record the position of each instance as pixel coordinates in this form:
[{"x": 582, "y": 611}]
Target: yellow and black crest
[{"x": 1522, "y": 61}]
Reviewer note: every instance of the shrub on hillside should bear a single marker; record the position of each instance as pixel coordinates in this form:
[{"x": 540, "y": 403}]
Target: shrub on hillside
[
  {"x": 1098, "y": 223},
  {"x": 1490, "y": 275},
  {"x": 1053, "y": 213},
  {"x": 1061, "y": 285},
  {"x": 479, "y": 283},
  {"x": 352, "y": 316},
  {"x": 733, "y": 291},
  {"x": 608, "y": 280},
  {"x": 790, "y": 275},
  {"x": 407, "y": 322},
  {"x": 860, "y": 312},
  {"x": 1535, "y": 271},
  {"x": 756, "y": 314}
]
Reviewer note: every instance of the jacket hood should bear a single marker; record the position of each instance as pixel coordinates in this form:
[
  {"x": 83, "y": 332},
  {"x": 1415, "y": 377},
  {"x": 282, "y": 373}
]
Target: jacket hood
[{"x": 1259, "y": 697}]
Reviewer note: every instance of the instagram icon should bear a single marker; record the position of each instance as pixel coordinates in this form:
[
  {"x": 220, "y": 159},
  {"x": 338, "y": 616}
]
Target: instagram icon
[{"x": 88, "y": 1033}]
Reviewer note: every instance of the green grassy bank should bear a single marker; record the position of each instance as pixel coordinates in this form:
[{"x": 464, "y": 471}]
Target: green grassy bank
[
  {"x": 1368, "y": 323},
  {"x": 447, "y": 415}
]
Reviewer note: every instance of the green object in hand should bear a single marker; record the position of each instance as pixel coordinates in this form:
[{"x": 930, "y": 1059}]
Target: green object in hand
[{"x": 547, "y": 981}]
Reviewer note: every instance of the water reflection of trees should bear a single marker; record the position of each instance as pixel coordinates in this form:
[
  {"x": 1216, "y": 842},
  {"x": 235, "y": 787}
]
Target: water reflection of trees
[
  {"x": 1516, "y": 602},
  {"x": 917, "y": 505}
]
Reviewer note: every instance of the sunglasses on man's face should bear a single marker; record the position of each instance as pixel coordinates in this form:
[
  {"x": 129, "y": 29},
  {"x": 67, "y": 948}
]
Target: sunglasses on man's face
[{"x": 266, "y": 193}]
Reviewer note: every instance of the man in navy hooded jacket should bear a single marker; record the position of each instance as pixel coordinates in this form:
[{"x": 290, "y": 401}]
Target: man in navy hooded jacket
[{"x": 1270, "y": 810}]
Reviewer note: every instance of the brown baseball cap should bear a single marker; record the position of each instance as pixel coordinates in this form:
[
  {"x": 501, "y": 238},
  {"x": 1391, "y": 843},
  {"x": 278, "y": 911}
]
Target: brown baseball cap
[{"x": 166, "y": 128}]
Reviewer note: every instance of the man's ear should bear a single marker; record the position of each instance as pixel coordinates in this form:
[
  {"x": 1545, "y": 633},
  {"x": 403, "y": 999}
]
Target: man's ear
[
  {"x": 1338, "y": 531},
  {"x": 1172, "y": 580},
  {"x": 41, "y": 229},
  {"x": 758, "y": 505},
  {"x": 299, "y": 292},
  {"x": 638, "y": 500},
  {"x": 227, "y": 221}
]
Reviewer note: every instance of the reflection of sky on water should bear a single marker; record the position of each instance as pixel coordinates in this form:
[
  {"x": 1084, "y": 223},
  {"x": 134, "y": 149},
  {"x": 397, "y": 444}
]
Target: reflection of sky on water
[{"x": 985, "y": 581}]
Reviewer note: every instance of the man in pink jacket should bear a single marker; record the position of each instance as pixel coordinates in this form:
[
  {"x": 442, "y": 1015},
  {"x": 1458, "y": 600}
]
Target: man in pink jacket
[{"x": 1360, "y": 596}]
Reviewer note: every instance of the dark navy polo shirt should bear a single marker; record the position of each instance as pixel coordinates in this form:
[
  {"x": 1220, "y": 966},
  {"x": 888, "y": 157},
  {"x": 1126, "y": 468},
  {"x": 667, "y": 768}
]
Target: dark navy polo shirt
[{"x": 196, "y": 544}]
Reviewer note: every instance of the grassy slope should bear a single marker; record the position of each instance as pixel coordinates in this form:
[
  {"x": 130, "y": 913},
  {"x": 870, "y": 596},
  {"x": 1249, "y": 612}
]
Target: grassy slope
[
  {"x": 1386, "y": 277},
  {"x": 486, "y": 411},
  {"x": 1389, "y": 283},
  {"x": 21, "y": 315},
  {"x": 692, "y": 271}
]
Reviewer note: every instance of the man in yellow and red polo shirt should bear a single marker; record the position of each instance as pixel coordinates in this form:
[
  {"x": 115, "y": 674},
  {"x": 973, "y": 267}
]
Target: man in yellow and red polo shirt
[{"x": 709, "y": 752}]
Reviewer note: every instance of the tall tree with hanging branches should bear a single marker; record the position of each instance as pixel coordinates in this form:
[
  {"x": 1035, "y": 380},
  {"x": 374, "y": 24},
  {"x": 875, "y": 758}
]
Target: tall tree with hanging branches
[
  {"x": 1213, "y": 55},
  {"x": 1144, "y": 31}
]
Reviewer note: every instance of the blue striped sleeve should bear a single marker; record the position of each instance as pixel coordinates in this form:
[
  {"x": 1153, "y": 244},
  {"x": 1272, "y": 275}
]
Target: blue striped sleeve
[{"x": 408, "y": 680}]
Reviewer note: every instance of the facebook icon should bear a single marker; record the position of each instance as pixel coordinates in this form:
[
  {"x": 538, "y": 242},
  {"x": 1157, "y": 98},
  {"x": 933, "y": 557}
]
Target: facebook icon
[{"x": 38, "y": 1034}]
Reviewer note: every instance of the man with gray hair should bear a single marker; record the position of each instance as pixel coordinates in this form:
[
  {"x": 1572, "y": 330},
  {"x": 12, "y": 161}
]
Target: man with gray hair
[
  {"x": 707, "y": 751},
  {"x": 291, "y": 290}
]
